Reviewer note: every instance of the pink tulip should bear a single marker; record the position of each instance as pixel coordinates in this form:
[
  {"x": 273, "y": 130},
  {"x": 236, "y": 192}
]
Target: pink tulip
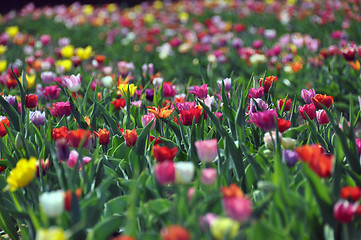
[
  {"x": 209, "y": 176},
  {"x": 165, "y": 172},
  {"x": 207, "y": 150}
]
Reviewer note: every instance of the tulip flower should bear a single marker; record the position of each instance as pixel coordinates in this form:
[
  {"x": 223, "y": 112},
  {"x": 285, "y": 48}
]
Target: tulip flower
[
  {"x": 73, "y": 83},
  {"x": 165, "y": 153},
  {"x": 161, "y": 112},
  {"x": 22, "y": 174},
  {"x": 67, "y": 51},
  {"x": 255, "y": 93},
  {"x": 200, "y": 92},
  {"x": 320, "y": 163},
  {"x": 289, "y": 157},
  {"x": 257, "y": 104},
  {"x": 52, "y": 203},
  {"x": 236, "y": 205},
  {"x": 103, "y": 136},
  {"x": 123, "y": 89},
  {"x": 268, "y": 83},
  {"x": 206, "y": 221},
  {"x": 187, "y": 116},
  {"x": 288, "y": 104},
  {"x": 74, "y": 158},
  {"x": 207, "y": 150},
  {"x": 222, "y": 227},
  {"x": 31, "y": 101},
  {"x": 47, "y": 77},
  {"x": 184, "y": 172},
  {"x": 3, "y": 121},
  {"x": 147, "y": 118},
  {"x": 52, "y": 92},
  {"x": 307, "y": 95},
  {"x": 164, "y": 172},
  {"x": 37, "y": 118},
  {"x": 288, "y": 143},
  {"x": 62, "y": 149},
  {"x": 76, "y": 137},
  {"x": 62, "y": 109},
  {"x": 270, "y": 139},
  {"x": 59, "y": 133},
  {"x": 208, "y": 176},
  {"x": 264, "y": 120},
  {"x": 130, "y": 137},
  {"x": 169, "y": 90},
  {"x": 344, "y": 211},
  {"x": 283, "y": 124},
  {"x": 322, "y": 117},
  {"x": 351, "y": 193},
  {"x": 119, "y": 103},
  {"x": 325, "y": 100},
  {"x": 227, "y": 84},
  {"x": 175, "y": 232},
  {"x": 122, "y": 237},
  {"x": 309, "y": 109},
  {"x": 51, "y": 233}
]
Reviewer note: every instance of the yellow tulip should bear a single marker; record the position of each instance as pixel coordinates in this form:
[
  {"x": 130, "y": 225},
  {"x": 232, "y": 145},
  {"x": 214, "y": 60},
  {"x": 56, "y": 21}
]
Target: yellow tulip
[
  {"x": 148, "y": 18},
  {"x": 123, "y": 89},
  {"x": 3, "y": 49},
  {"x": 111, "y": 7},
  {"x": 84, "y": 53},
  {"x": 30, "y": 79},
  {"x": 22, "y": 174},
  {"x": 12, "y": 31},
  {"x": 67, "y": 51},
  {"x": 65, "y": 64},
  {"x": 222, "y": 227},
  {"x": 3, "y": 65},
  {"x": 158, "y": 4},
  {"x": 183, "y": 16},
  {"x": 53, "y": 233},
  {"x": 88, "y": 9}
]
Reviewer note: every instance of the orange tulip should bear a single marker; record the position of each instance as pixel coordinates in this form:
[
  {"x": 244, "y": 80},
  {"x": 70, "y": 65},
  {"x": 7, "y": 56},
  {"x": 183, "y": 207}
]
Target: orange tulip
[
  {"x": 163, "y": 112},
  {"x": 130, "y": 137}
]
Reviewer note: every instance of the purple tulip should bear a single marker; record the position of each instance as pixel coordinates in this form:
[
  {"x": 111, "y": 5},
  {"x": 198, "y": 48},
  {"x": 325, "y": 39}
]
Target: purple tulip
[
  {"x": 264, "y": 120},
  {"x": 307, "y": 95},
  {"x": 290, "y": 157},
  {"x": 227, "y": 84},
  {"x": 37, "y": 118}
]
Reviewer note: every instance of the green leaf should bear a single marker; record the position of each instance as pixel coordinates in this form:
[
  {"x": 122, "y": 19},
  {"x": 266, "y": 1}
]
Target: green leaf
[
  {"x": 116, "y": 206},
  {"x": 105, "y": 228},
  {"x": 140, "y": 145}
]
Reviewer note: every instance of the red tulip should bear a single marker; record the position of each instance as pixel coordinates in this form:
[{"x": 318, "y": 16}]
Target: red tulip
[{"x": 162, "y": 154}]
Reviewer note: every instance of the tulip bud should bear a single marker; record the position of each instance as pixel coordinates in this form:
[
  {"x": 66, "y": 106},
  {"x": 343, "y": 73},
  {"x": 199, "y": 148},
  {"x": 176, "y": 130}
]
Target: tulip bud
[
  {"x": 344, "y": 211},
  {"x": 19, "y": 142},
  {"x": 147, "y": 118},
  {"x": 288, "y": 143},
  {"x": 207, "y": 150},
  {"x": 184, "y": 172},
  {"x": 290, "y": 157},
  {"x": 222, "y": 227},
  {"x": 52, "y": 203},
  {"x": 107, "y": 81},
  {"x": 209, "y": 176},
  {"x": 270, "y": 139},
  {"x": 62, "y": 149}
]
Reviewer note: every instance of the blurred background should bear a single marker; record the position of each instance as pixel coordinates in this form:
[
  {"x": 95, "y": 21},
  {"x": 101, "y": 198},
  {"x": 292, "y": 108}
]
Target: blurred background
[{"x": 9, "y": 5}]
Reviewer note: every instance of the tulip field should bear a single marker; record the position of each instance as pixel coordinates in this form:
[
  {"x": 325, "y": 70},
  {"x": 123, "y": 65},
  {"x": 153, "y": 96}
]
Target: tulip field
[{"x": 181, "y": 120}]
